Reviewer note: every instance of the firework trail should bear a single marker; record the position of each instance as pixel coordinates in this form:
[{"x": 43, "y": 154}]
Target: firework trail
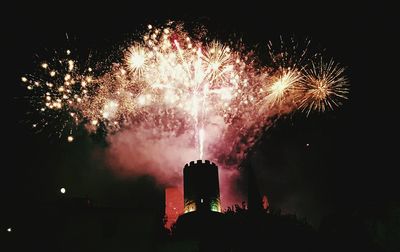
[{"x": 177, "y": 87}]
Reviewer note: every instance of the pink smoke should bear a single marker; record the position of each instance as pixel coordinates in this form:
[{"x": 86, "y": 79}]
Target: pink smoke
[{"x": 141, "y": 151}]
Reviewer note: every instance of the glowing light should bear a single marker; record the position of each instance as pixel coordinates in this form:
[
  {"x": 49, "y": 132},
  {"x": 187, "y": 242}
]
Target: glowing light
[
  {"x": 70, "y": 138},
  {"x": 190, "y": 207},
  {"x": 9, "y": 229},
  {"x": 265, "y": 202},
  {"x": 142, "y": 100},
  {"x": 62, "y": 190},
  {"x": 170, "y": 97},
  {"x": 70, "y": 65},
  {"x": 45, "y": 65},
  {"x": 216, "y": 207}
]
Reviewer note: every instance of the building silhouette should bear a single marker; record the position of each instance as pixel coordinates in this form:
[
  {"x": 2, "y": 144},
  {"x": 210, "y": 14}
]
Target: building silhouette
[{"x": 201, "y": 187}]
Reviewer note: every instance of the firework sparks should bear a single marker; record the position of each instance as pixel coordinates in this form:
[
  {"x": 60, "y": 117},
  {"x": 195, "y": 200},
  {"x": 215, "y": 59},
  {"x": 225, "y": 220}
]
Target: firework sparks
[
  {"x": 59, "y": 92},
  {"x": 137, "y": 59},
  {"x": 282, "y": 86},
  {"x": 323, "y": 86},
  {"x": 172, "y": 83}
]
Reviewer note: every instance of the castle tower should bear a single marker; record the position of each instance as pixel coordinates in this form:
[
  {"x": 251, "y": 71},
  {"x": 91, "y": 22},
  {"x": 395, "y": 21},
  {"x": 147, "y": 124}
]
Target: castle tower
[{"x": 201, "y": 187}]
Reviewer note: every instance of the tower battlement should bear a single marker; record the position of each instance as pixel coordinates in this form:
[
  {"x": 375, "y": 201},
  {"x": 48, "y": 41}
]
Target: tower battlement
[{"x": 200, "y": 163}]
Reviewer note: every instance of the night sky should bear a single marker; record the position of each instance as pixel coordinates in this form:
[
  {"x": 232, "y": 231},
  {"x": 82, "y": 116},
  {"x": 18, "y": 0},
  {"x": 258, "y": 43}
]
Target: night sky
[{"x": 310, "y": 166}]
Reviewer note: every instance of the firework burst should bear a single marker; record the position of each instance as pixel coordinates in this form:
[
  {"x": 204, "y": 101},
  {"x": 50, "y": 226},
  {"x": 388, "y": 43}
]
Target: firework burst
[
  {"x": 137, "y": 59},
  {"x": 173, "y": 84},
  {"x": 323, "y": 87},
  {"x": 59, "y": 94},
  {"x": 283, "y": 85}
]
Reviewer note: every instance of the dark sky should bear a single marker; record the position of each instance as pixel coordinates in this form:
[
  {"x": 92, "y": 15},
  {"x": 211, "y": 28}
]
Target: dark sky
[{"x": 348, "y": 162}]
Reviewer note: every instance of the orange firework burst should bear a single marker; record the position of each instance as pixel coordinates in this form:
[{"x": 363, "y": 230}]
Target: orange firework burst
[
  {"x": 283, "y": 86},
  {"x": 323, "y": 86}
]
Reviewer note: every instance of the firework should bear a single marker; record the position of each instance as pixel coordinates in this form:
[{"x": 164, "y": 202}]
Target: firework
[
  {"x": 323, "y": 87},
  {"x": 59, "y": 92},
  {"x": 282, "y": 86},
  {"x": 174, "y": 83}
]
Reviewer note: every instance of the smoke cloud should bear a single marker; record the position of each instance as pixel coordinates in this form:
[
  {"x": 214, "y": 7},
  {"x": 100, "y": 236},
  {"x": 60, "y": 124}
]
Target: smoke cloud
[{"x": 139, "y": 151}]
